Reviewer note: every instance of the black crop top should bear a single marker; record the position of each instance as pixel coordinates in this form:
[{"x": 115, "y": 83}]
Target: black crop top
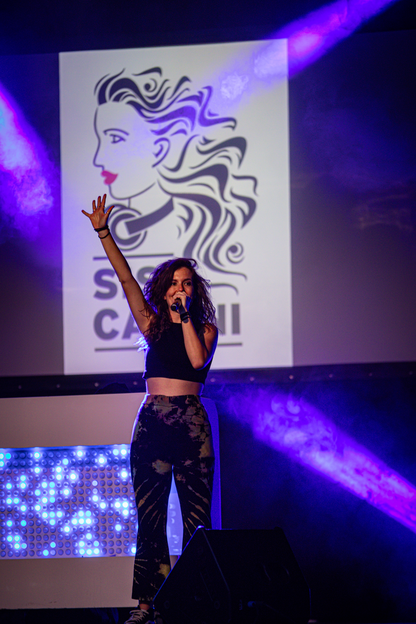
[{"x": 167, "y": 357}]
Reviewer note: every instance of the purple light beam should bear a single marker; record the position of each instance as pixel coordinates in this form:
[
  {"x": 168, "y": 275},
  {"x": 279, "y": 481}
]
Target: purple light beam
[
  {"x": 302, "y": 432},
  {"x": 25, "y": 191},
  {"x": 307, "y": 39},
  {"x": 313, "y": 35}
]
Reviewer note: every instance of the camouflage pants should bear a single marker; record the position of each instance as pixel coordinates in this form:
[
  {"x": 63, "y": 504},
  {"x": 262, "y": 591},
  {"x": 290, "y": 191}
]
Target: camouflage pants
[{"x": 170, "y": 433}]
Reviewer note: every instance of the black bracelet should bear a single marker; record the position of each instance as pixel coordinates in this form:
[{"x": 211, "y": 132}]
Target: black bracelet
[
  {"x": 185, "y": 317},
  {"x": 103, "y": 237},
  {"x": 105, "y": 227}
]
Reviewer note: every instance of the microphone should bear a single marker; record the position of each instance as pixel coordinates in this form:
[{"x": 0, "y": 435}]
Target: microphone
[{"x": 176, "y": 305}]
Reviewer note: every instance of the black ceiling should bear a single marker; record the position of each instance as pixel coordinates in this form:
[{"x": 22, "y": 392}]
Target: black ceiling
[{"x": 45, "y": 26}]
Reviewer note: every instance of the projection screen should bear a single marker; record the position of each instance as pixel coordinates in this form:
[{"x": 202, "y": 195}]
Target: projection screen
[{"x": 195, "y": 166}]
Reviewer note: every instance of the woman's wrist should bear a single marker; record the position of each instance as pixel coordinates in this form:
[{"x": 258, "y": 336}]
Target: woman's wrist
[
  {"x": 102, "y": 229},
  {"x": 185, "y": 316}
]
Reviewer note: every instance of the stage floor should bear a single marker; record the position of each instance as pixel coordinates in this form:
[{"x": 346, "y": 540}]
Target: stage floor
[{"x": 92, "y": 616}]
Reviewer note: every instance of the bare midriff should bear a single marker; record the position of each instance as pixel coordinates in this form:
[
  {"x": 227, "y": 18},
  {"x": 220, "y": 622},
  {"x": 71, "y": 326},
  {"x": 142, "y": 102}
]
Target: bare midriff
[{"x": 172, "y": 387}]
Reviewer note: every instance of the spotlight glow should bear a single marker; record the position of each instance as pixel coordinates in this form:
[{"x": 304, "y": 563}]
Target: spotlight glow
[
  {"x": 313, "y": 35},
  {"x": 24, "y": 187},
  {"x": 302, "y": 431},
  {"x": 307, "y": 40}
]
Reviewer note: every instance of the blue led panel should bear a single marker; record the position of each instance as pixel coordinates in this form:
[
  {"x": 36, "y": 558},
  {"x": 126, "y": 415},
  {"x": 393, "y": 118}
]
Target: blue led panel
[{"x": 70, "y": 502}]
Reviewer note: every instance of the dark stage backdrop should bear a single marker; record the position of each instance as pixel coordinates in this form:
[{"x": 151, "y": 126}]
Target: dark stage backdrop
[
  {"x": 359, "y": 562},
  {"x": 352, "y": 164},
  {"x": 353, "y": 203}
]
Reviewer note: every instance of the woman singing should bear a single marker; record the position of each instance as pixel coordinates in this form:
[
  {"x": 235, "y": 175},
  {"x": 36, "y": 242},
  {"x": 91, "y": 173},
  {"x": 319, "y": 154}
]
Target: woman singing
[{"x": 172, "y": 433}]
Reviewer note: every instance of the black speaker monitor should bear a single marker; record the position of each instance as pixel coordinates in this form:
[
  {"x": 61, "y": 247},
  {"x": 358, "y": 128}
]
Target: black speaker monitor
[{"x": 235, "y": 576}]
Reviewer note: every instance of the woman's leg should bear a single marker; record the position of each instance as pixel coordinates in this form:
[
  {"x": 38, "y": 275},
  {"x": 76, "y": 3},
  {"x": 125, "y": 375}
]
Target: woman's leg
[
  {"x": 194, "y": 469},
  {"x": 152, "y": 476},
  {"x": 194, "y": 485}
]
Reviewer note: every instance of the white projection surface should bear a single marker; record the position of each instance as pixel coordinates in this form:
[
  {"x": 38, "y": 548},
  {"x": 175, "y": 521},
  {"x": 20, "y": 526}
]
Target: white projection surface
[{"x": 193, "y": 151}]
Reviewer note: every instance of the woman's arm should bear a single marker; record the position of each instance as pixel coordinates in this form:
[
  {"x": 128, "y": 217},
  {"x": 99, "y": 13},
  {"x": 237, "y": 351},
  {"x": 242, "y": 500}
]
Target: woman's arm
[
  {"x": 139, "y": 307},
  {"x": 200, "y": 349}
]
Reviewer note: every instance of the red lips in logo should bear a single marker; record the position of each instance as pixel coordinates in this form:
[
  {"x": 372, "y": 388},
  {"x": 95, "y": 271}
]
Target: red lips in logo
[{"x": 109, "y": 177}]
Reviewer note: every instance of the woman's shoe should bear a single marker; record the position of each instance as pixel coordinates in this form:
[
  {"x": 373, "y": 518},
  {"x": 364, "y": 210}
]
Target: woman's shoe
[{"x": 140, "y": 616}]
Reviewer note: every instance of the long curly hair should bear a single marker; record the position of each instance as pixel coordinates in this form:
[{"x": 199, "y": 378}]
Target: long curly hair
[{"x": 201, "y": 310}]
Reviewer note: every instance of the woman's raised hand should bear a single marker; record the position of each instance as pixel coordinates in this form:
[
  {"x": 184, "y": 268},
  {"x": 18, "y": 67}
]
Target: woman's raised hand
[{"x": 99, "y": 215}]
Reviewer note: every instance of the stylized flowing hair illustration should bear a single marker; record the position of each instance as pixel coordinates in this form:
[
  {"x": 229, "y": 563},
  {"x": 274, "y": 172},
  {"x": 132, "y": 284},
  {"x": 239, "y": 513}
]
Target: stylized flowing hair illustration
[{"x": 213, "y": 200}]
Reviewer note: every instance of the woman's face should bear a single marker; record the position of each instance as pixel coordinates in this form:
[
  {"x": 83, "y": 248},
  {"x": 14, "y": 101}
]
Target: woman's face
[
  {"x": 125, "y": 150},
  {"x": 181, "y": 283}
]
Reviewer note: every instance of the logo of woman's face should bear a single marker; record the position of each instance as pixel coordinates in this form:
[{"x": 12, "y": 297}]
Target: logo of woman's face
[{"x": 125, "y": 150}]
